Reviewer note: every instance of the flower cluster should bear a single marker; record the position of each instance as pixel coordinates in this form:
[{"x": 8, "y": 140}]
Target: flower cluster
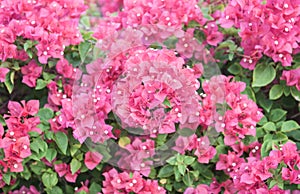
[
  {"x": 242, "y": 115},
  {"x": 271, "y": 29},
  {"x": 129, "y": 182},
  {"x": 156, "y": 80},
  {"x": 249, "y": 176},
  {"x": 292, "y": 77},
  {"x": 16, "y": 143},
  {"x": 30, "y": 73},
  {"x": 43, "y": 21},
  {"x": 203, "y": 149}
]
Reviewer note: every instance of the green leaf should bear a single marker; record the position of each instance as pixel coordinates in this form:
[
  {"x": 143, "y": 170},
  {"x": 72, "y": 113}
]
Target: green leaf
[
  {"x": 206, "y": 13},
  {"x": 85, "y": 20},
  {"x": 277, "y": 114},
  {"x": 167, "y": 103},
  {"x": 280, "y": 137},
  {"x": 249, "y": 139},
  {"x": 94, "y": 188},
  {"x": 41, "y": 84},
  {"x": 263, "y": 75},
  {"x": 295, "y": 93},
  {"x": 289, "y": 126},
  {"x": 260, "y": 132},
  {"x": 286, "y": 90},
  {"x": 45, "y": 114},
  {"x": 9, "y": 81},
  {"x": 29, "y": 44},
  {"x": 188, "y": 179},
  {"x": 123, "y": 141},
  {"x": 37, "y": 167},
  {"x": 172, "y": 160},
  {"x": 61, "y": 140},
  {"x": 49, "y": 179},
  {"x": 75, "y": 165},
  {"x": 181, "y": 168},
  {"x": 54, "y": 190},
  {"x": 294, "y": 135},
  {"x": 38, "y": 144},
  {"x": 272, "y": 184},
  {"x": 74, "y": 148},
  {"x": 276, "y": 92},
  {"x": 2, "y": 121},
  {"x": 84, "y": 48},
  {"x": 266, "y": 147},
  {"x": 26, "y": 174},
  {"x": 264, "y": 102},
  {"x": 166, "y": 171},
  {"x": 51, "y": 154},
  {"x": 6, "y": 178},
  {"x": 270, "y": 126},
  {"x": 188, "y": 160},
  {"x": 249, "y": 92},
  {"x": 48, "y": 76}
]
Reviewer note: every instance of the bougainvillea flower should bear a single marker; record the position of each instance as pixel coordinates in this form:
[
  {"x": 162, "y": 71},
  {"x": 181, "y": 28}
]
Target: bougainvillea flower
[{"x": 92, "y": 159}]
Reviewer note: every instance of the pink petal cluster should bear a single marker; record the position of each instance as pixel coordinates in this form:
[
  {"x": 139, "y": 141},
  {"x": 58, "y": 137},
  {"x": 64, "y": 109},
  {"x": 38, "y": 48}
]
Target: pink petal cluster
[
  {"x": 23, "y": 189},
  {"x": 292, "y": 77},
  {"x": 200, "y": 189},
  {"x": 92, "y": 159},
  {"x": 64, "y": 170},
  {"x": 37, "y": 20},
  {"x": 30, "y": 73},
  {"x": 271, "y": 29},
  {"x": 158, "y": 20},
  {"x": 240, "y": 119},
  {"x": 16, "y": 143},
  {"x": 249, "y": 176},
  {"x": 107, "y": 7},
  {"x": 201, "y": 146},
  {"x": 188, "y": 45},
  {"x": 65, "y": 69},
  {"x": 152, "y": 77},
  {"x": 129, "y": 182},
  {"x": 137, "y": 156}
]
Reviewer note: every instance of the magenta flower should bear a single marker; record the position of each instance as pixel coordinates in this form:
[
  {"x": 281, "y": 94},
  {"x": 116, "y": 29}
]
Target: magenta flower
[
  {"x": 92, "y": 159},
  {"x": 156, "y": 76},
  {"x": 64, "y": 68},
  {"x": 292, "y": 77},
  {"x": 30, "y": 73}
]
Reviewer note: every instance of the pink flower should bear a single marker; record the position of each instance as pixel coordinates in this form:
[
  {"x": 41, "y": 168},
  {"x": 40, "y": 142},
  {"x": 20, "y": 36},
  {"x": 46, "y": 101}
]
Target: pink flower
[
  {"x": 64, "y": 170},
  {"x": 22, "y": 147},
  {"x": 30, "y": 73},
  {"x": 23, "y": 189},
  {"x": 213, "y": 36},
  {"x": 204, "y": 151},
  {"x": 292, "y": 77},
  {"x": 3, "y": 72},
  {"x": 200, "y": 189},
  {"x": 1, "y": 131},
  {"x": 291, "y": 175},
  {"x": 123, "y": 182},
  {"x": 61, "y": 169},
  {"x": 188, "y": 44},
  {"x": 17, "y": 110},
  {"x": 110, "y": 6},
  {"x": 64, "y": 68},
  {"x": 92, "y": 159}
]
